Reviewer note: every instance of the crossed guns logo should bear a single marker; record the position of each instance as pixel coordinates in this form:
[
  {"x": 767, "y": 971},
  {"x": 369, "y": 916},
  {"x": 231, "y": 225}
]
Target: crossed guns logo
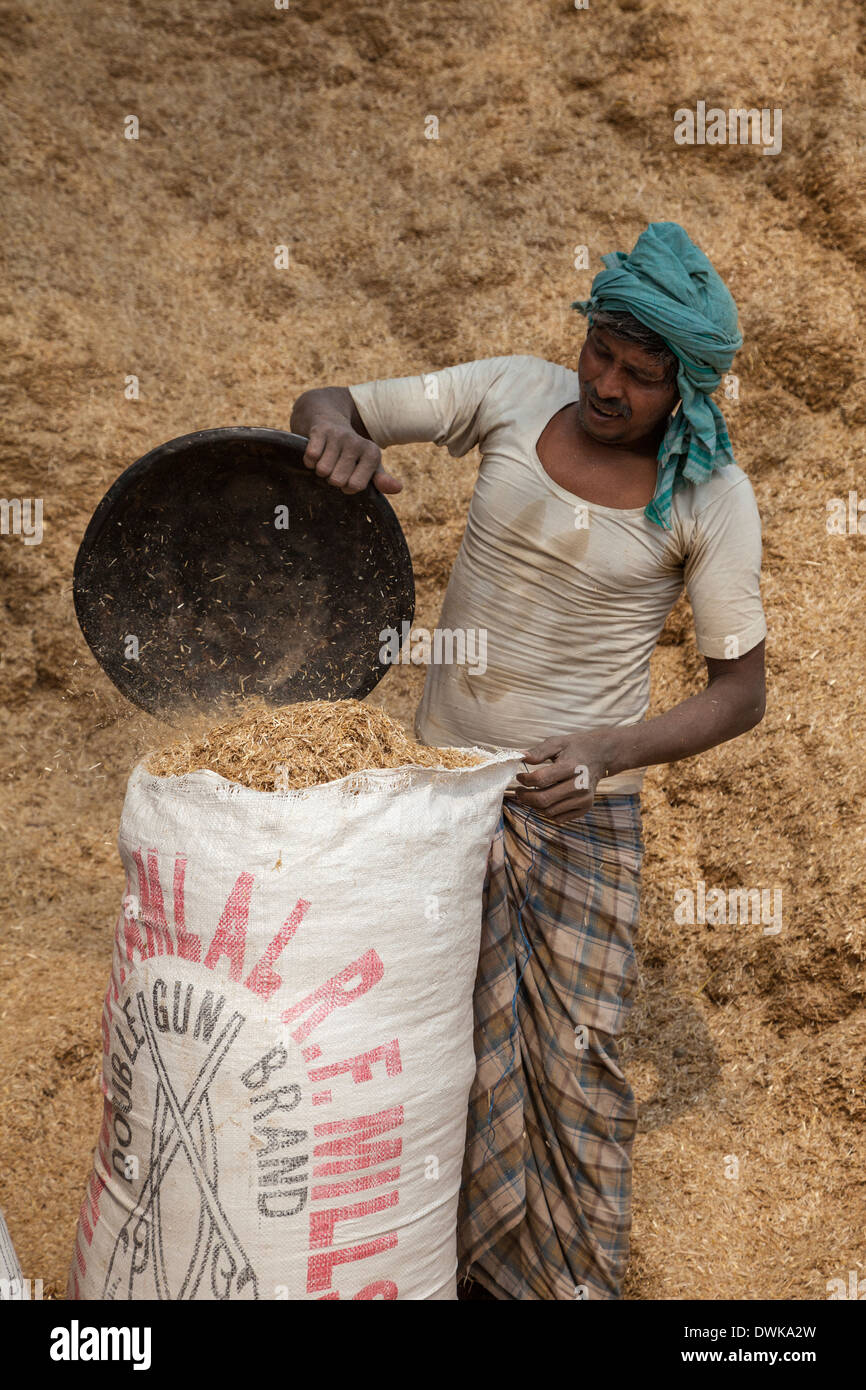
[{"x": 182, "y": 1130}]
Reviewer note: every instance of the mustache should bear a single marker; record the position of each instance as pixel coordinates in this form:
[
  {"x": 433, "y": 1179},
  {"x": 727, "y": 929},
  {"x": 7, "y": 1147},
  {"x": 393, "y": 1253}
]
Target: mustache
[{"x": 618, "y": 407}]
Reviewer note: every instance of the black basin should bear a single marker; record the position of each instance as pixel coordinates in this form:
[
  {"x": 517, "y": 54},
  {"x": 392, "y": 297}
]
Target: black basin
[{"x": 234, "y": 571}]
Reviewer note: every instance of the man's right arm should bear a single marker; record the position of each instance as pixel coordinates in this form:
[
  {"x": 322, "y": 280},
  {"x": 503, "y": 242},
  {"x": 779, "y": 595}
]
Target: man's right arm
[
  {"x": 340, "y": 449},
  {"x": 349, "y": 426}
]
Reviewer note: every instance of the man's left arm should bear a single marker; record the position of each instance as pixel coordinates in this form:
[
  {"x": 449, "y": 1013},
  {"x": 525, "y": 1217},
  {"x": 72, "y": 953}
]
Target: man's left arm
[
  {"x": 732, "y": 703},
  {"x": 722, "y": 574}
]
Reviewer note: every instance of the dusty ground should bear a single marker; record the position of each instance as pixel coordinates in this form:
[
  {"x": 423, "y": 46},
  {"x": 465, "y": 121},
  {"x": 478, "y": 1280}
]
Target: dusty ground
[{"x": 154, "y": 257}]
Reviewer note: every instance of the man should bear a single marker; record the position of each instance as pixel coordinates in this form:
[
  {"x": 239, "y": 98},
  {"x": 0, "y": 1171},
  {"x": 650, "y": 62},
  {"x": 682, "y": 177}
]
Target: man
[{"x": 599, "y": 495}]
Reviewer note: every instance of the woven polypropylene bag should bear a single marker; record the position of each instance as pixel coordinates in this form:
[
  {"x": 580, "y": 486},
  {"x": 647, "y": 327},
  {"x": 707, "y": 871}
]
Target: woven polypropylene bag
[
  {"x": 11, "y": 1279},
  {"x": 287, "y": 1038}
]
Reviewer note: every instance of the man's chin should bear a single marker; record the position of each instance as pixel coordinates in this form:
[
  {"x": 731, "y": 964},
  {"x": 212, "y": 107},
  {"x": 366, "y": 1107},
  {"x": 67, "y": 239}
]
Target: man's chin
[{"x": 610, "y": 434}]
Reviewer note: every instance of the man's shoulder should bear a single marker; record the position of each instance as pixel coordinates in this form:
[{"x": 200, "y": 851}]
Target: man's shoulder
[
  {"x": 528, "y": 365},
  {"x": 725, "y": 487},
  {"x": 519, "y": 386}
]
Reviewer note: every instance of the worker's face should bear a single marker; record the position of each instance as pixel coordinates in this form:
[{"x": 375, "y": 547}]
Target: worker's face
[{"x": 625, "y": 379}]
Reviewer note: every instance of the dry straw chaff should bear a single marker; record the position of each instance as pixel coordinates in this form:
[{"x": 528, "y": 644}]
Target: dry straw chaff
[{"x": 302, "y": 745}]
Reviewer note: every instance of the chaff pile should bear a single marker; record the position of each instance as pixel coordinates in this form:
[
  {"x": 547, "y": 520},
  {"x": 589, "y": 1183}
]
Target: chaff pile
[{"x": 302, "y": 745}]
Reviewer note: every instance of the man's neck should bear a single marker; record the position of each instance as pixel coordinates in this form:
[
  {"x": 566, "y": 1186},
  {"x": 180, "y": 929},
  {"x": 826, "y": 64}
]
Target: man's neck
[{"x": 611, "y": 475}]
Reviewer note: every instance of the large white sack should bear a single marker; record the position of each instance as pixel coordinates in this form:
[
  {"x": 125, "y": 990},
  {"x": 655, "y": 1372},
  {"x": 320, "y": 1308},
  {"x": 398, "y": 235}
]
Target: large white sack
[
  {"x": 11, "y": 1279},
  {"x": 287, "y": 1038}
]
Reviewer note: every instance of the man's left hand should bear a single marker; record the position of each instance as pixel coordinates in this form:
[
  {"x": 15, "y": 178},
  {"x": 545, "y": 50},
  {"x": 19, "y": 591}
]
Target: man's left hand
[{"x": 565, "y": 788}]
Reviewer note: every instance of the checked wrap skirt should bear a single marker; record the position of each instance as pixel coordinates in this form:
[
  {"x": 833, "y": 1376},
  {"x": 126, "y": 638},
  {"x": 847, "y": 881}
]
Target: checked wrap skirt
[{"x": 545, "y": 1204}]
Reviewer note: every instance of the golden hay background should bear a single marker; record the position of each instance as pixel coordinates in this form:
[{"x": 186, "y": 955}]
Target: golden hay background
[{"x": 155, "y": 257}]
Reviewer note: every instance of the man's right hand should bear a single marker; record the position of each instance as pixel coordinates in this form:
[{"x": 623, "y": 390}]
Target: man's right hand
[{"x": 346, "y": 459}]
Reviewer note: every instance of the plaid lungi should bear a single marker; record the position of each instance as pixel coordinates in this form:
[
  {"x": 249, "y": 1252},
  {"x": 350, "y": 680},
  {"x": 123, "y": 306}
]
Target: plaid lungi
[{"x": 545, "y": 1205}]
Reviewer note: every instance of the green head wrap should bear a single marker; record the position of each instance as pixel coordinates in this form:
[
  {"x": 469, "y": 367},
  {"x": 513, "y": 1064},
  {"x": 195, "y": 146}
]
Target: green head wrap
[{"x": 668, "y": 284}]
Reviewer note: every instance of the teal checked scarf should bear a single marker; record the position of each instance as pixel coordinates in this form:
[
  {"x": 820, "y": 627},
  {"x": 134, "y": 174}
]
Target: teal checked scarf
[{"x": 668, "y": 284}]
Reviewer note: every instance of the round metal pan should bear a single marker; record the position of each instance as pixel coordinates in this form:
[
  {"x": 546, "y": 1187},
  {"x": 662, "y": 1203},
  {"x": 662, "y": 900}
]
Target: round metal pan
[{"x": 219, "y": 567}]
